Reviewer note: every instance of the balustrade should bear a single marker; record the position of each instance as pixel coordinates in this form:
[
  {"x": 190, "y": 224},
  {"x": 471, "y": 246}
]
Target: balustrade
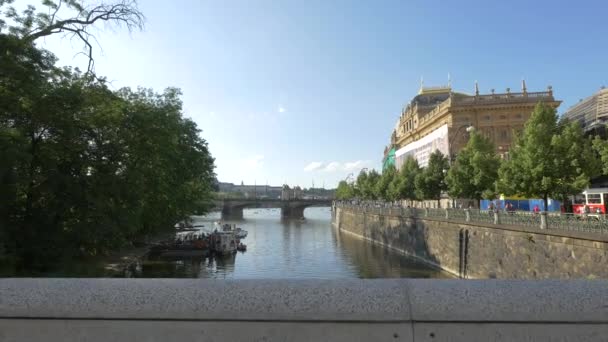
[{"x": 544, "y": 220}]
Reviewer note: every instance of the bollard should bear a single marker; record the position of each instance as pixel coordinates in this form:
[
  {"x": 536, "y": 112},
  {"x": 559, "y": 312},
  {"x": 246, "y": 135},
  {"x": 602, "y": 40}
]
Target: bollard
[
  {"x": 496, "y": 217},
  {"x": 467, "y": 215},
  {"x": 543, "y": 220}
]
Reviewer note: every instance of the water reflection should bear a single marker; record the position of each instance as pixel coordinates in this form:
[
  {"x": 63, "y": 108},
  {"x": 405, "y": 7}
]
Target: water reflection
[{"x": 290, "y": 249}]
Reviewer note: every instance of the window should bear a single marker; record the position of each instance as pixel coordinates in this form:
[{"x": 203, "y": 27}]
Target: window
[
  {"x": 594, "y": 199},
  {"x": 518, "y": 116},
  {"x": 503, "y": 117},
  {"x": 578, "y": 199},
  {"x": 487, "y": 118},
  {"x": 503, "y": 134}
]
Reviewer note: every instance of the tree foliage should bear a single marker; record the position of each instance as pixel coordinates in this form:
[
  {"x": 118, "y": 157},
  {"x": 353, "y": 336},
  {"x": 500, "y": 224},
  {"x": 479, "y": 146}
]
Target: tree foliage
[
  {"x": 345, "y": 190},
  {"x": 430, "y": 183},
  {"x": 382, "y": 185},
  {"x": 548, "y": 160},
  {"x": 406, "y": 186},
  {"x": 576, "y": 161},
  {"x": 86, "y": 169},
  {"x": 475, "y": 170}
]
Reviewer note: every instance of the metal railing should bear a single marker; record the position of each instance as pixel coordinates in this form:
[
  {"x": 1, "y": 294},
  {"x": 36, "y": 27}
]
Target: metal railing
[{"x": 594, "y": 223}]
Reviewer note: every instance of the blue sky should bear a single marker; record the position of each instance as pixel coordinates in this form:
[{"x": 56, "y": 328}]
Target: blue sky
[{"x": 296, "y": 91}]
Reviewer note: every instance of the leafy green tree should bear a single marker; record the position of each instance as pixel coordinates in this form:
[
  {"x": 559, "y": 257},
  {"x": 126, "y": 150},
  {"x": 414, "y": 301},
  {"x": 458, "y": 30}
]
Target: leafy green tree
[
  {"x": 366, "y": 184},
  {"x": 345, "y": 190},
  {"x": 361, "y": 184},
  {"x": 407, "y": 179},
  {"x": 383, "y": 184},
  {"x": 430, "y": 183},
  {"x": 370, "y": 192},
  {"x": 576, "y": 161},
  {"x": 548, "y": 160},
  {"x": 86, "y": 169},
  {"x": 475, "y": 170}
]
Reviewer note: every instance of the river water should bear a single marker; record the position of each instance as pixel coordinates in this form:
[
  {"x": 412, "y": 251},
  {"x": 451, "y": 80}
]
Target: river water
[{"x": 278, "y": 249}]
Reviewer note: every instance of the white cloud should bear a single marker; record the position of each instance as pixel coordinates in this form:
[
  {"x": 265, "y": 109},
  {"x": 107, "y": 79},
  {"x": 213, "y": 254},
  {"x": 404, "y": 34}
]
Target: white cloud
[
  {"x": 355, "y": 165},
  {"x": 252, "y": 163},
  {"x": 313, "y": 166},
  {"x": 281, "y": 109},
  {"x": 333, "y": 166}
]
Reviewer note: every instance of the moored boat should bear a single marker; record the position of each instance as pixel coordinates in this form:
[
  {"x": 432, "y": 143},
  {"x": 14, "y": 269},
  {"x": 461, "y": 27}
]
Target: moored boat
[{"x": 223, "y": 242}]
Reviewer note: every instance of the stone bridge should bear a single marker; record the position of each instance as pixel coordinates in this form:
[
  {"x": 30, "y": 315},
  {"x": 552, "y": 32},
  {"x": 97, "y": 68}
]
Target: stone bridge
[{"x": 293, "y": 209}]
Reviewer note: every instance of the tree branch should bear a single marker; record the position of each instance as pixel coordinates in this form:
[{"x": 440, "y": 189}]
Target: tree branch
[{"x": 125, "y": 12}]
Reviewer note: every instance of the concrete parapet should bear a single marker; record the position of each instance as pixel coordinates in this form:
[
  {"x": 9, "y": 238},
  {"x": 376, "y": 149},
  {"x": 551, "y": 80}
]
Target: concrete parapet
[{"x": 301, "y": 310}]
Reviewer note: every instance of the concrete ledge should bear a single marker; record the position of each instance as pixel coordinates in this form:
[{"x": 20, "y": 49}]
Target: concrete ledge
[
  {"x": 311, "y": 310},
  {"x": 198, "y": 299},
  {"x": 380, "y": 300}
]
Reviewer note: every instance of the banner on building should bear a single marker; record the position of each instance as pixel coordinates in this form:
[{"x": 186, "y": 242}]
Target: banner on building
[{"x": 421, "y": 149}]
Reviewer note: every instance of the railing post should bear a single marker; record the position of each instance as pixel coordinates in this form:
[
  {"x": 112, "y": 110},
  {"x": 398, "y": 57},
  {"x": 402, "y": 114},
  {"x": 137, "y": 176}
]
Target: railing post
[
  {"x": 543, "y": 220},
  {"x": 447, "y": 214},
  {"x": 496, "y": 217},
  {"x": 467, "y": 215},
  {"x": 426, "y": 212}
]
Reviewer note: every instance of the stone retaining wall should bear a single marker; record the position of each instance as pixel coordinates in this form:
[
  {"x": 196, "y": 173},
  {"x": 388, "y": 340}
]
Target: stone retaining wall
[{"x": 474, "y": 250}]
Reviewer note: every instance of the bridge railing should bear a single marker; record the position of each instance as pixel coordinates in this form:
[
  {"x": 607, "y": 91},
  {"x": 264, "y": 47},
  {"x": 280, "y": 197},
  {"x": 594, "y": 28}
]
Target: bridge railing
[{"x": 591, "y": 223}]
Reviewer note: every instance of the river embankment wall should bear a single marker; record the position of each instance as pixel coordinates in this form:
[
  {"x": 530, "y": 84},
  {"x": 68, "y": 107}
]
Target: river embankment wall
[{"x": 480, "y": 250}]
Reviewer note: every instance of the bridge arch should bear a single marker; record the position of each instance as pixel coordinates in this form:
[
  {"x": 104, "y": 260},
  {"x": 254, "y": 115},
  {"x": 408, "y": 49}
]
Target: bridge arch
[{"x": 290, "y": 209}]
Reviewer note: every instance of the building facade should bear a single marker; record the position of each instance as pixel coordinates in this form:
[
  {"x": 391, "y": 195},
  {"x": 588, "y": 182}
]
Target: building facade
[
  {"x": 591, "y": 113},
  {"x": 439, "y": 119}
]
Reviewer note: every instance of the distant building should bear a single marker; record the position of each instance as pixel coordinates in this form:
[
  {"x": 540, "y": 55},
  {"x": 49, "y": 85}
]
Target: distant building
[
  {"x": 286, "y": 193},
  {"x": 439, "y": 119},
  {"x": 591, "y": 113},
  {"x": 251, "y": 191},
  {"x": 297, "y": 193}
]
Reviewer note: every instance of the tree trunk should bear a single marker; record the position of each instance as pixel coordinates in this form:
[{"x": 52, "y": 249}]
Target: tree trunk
[{"x": 545, "y": 201}]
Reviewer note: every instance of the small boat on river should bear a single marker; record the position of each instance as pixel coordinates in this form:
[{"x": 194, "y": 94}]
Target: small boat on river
[
  {"x": 187, "y": 245},
  {"x": 223, "y": 242},
  {"x": 240, "y": 233}
]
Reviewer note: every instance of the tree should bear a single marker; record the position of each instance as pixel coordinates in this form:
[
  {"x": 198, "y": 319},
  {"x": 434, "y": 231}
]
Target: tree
[
  {"x": 548, "y": 159},
  {"x": 366, "y": 184},
  {"x": 345, "y": 191},
  {"x": 475, "y": 170},
  {"x": 407, "y": 179},
  {"x": 373, "y": 177},
  {"x": 361, "y": 184},
  {"x": 86, "y": 169},
  {"x": 383, "y": 184},
  {"x": 30, "y": 26},
  {"x": 576, "y": 161},
  {"x": 430, "y": 183}
]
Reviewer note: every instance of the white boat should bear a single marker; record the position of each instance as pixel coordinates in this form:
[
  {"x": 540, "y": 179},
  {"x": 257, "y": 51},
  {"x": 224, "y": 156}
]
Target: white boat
[{"x": 238, "y": 232}]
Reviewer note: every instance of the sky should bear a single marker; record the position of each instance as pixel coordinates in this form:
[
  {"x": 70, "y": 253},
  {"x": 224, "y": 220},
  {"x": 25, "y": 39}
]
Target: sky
[{"x": 296, "y": 92}]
